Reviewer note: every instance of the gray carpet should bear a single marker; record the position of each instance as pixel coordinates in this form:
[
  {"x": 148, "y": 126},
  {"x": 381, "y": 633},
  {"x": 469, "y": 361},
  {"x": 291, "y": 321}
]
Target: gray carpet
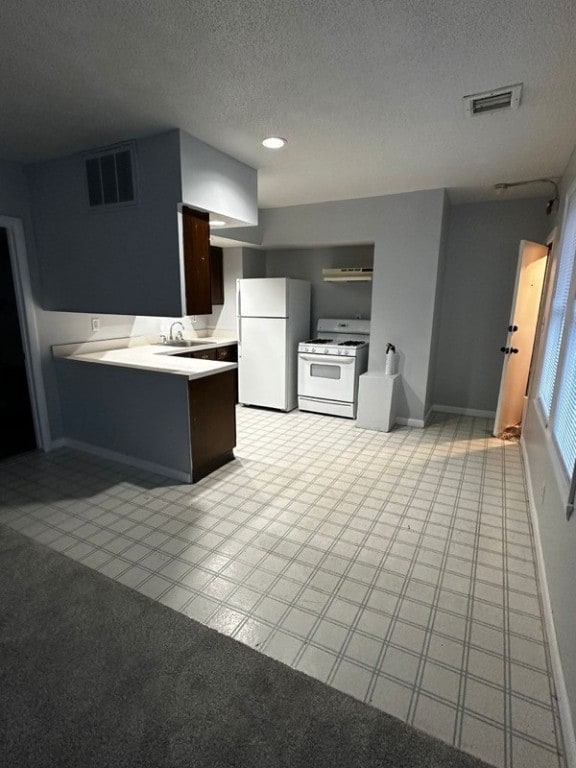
[{"x": 94, "y": 674}]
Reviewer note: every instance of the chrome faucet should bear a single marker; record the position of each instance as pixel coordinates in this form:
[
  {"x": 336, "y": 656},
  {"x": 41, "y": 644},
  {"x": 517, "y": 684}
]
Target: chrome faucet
[{"x": 179, "y": 333}]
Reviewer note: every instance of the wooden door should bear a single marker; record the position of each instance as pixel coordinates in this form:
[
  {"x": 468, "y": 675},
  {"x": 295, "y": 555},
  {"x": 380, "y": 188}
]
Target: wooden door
[{"x": 519, "y": 345}]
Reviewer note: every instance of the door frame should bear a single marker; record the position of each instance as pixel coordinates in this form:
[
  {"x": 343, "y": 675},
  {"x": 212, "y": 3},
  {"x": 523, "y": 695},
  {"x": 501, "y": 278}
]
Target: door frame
[
  {"x": 26, "y": 307},
  {"x": 509, "y": 338}
]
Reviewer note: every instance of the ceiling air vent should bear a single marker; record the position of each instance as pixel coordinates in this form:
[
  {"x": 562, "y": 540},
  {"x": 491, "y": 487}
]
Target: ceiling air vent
[
  {"x": 492, "y": 101},
  {"x": 110, "y": 176}
]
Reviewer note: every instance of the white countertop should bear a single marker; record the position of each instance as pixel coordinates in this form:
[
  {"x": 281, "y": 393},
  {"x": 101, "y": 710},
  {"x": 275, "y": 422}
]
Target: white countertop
[{"x": 139, "y": 353}]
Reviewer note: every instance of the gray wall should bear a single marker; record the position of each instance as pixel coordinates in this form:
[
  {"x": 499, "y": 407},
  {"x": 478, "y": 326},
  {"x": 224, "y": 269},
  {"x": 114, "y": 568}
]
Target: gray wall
[
  {"x": 13, "y": 190},
  {"x": 215, "y": 182},
  {"x": 134, "y": 413},
  {"x": 346, "y": 300},
  {"x": 480, "y": 265},
  {"x": 122, "y": 261},
  {"x": 253, "y": 263},
  {"x": 406, "y": 231},
  {"x": 223, "y": 318},
  {"x": 436, "y": 321},
  {"x": 126, "y": 260},
  {"x": 15, "y": 202}
]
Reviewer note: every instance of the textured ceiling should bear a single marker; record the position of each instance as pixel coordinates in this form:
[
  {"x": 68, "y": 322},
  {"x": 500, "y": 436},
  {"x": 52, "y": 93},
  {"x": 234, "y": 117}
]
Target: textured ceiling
[{"x": 367, "y": 92}]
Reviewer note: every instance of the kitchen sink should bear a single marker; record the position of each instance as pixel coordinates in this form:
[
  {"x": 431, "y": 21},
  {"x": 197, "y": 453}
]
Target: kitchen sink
[{"x": 185, "y": 343}]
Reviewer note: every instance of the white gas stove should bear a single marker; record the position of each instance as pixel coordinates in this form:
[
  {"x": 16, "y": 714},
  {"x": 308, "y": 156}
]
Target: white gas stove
[{"x": 330, "y": 364}]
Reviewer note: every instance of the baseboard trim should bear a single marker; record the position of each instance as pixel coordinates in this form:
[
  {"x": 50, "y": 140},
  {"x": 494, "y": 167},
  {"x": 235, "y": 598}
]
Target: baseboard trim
[
  {"x": 404, "y": 422},
  {"x": 105, "y": 453},
  {"x": 564, "y": 709},
  {"x": 464, "y": 411},
  {"x": 53, "y": 445}
]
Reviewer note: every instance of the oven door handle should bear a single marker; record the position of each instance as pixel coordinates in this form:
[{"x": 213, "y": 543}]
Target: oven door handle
[{"x": 327, "y": 359}]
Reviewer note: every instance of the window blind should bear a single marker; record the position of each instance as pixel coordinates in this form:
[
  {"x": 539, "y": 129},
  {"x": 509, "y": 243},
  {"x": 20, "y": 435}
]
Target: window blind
[
  {"x": 564, "y": 424},
  {"x": 558, "y": 309}
]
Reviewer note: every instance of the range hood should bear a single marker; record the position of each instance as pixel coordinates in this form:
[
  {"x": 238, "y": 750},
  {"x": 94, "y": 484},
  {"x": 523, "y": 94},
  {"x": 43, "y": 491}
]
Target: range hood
[{"x": 347, "y": 274}]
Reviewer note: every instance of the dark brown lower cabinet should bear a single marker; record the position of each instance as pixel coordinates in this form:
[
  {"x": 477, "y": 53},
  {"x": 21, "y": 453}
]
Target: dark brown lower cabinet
[
  {"x": 212, "y": 422},
  {"x": 227, "y": 354},
  {"x": 203, "y": 354}
]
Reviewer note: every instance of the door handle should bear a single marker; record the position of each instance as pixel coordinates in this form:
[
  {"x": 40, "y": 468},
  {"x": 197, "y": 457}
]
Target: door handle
[
  {"x": 512, "y": 328},
  {"x": 506, "y": 350},
  {"x": 330, "y": 359},
  {"x": 513, "y": 351}
]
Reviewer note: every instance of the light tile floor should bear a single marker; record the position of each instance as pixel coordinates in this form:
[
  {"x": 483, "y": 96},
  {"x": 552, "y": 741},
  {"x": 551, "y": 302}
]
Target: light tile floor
[{"x": 396, "y": 567}]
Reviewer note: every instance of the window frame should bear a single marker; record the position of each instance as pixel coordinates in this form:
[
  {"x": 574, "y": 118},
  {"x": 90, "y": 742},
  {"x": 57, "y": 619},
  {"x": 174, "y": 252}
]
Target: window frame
[{"x": 568, "y": 327}]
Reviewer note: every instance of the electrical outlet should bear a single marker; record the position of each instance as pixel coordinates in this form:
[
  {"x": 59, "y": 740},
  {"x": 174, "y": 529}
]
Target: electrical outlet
[{"x": 95, "y": 323}]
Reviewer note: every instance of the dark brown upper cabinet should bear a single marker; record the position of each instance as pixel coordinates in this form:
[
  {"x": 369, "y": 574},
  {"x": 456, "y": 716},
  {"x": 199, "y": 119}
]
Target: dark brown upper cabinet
[
  {"x": 217, "y": 275},
  {"x": 196, "y": 243}
]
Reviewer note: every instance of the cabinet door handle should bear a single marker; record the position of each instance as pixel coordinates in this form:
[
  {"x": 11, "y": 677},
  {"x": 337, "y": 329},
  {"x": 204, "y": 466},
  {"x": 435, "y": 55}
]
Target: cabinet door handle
[
  {"x": 513, "y": 351},
  {"x": 512, "y": 328},
  {"x": 506, "y": 350}
]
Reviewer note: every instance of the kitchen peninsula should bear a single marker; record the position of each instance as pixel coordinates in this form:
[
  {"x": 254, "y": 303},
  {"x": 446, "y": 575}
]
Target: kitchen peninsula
[{"x": 149, "y": 404}]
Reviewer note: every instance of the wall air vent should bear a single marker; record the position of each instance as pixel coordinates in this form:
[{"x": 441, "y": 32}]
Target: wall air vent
[
  {"x": 110, "y": 176},
  {"x": 347, "y": 274},
  {"x": 493, "y": 101}
]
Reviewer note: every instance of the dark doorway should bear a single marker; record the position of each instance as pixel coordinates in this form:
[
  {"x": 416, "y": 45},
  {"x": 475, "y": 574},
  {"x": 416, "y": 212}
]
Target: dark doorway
[{"x": 16, "y": 420}]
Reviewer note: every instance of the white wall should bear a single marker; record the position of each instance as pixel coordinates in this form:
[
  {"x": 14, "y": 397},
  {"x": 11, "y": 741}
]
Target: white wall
[
  {"x": 482, "y": 247},
  {"x": 556, "y": 535}
]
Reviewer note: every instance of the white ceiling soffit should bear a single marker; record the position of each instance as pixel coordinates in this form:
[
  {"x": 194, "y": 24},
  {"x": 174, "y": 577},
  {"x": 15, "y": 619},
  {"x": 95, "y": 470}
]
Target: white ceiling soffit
[{"x": 368, "y": 94}]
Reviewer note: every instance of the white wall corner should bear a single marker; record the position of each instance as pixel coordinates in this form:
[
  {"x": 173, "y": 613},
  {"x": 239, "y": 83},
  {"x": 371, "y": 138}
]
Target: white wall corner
[{"x": 402, "y": 421}]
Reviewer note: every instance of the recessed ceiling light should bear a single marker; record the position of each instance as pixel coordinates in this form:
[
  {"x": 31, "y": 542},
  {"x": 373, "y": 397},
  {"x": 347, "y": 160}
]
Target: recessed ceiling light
[
  {"x": 217, "y": 223},
  {"x": 274, "y": 142}
]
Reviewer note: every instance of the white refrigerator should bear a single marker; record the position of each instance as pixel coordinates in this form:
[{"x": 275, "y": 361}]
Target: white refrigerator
[{"x": 273, "y": 317}]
